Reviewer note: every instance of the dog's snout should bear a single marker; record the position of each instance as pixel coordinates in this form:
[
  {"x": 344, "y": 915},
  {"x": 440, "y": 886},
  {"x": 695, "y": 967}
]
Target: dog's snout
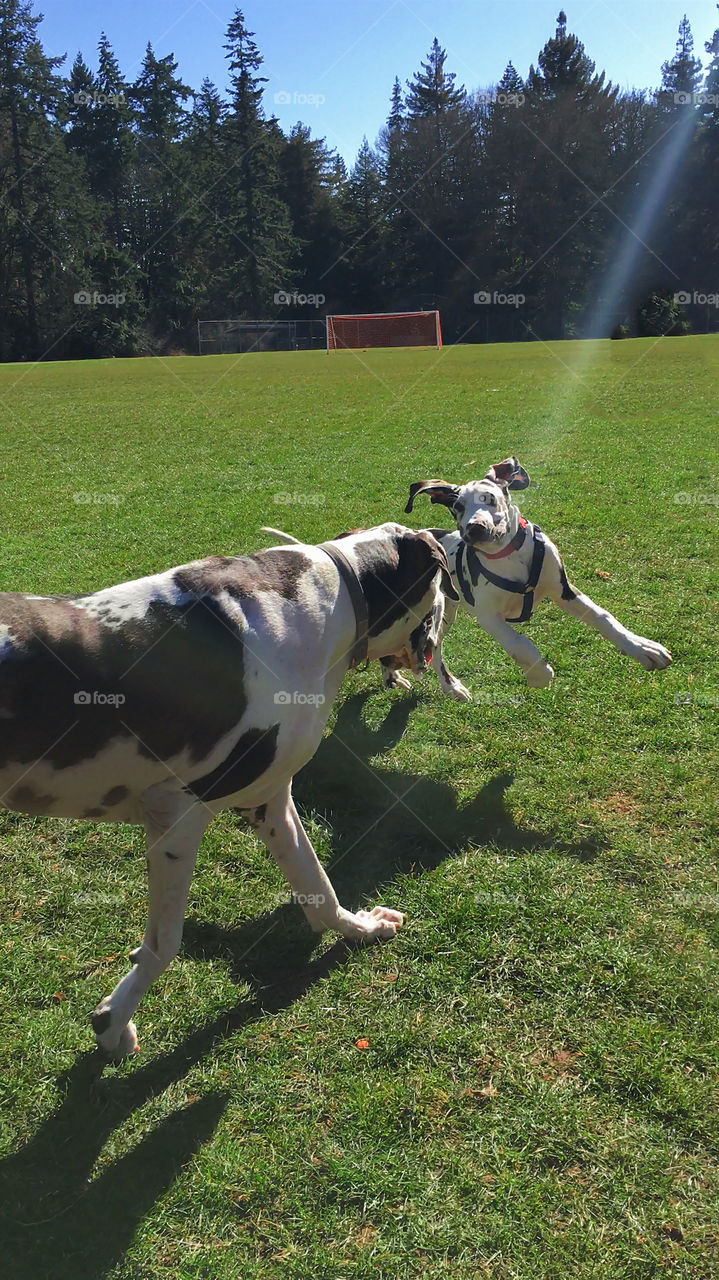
[{"x": 476, "y": 530}]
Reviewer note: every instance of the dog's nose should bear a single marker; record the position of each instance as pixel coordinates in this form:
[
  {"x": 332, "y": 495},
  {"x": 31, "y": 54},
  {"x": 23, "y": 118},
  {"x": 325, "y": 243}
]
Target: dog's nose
[{"x": 476, "y": 531}]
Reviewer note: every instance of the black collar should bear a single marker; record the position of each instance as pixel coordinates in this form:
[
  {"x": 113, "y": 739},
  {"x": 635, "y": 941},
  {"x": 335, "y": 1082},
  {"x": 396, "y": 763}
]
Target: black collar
[{"x": 348, "y": 575}]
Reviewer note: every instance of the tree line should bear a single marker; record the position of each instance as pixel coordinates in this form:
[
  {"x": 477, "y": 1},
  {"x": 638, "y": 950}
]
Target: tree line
[{"x": 549, "y": 205}]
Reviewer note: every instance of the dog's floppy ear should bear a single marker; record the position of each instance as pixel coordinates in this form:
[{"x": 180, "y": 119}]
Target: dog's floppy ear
[
  {"x": 510, "y": 473},
  {"x": 436, "y": 490},
  {"x": 440, "y": 555}
]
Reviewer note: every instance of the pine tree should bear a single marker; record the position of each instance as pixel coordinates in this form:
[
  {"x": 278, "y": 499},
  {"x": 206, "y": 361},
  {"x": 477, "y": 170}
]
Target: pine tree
[
  {"x": 392, "y": 140},
  {"x": 160, "y": 197},
  {"x": 31, "y": 97},
  {"x": 682, "y": 75},
  {"x": 432, "y": 90},
  {"x": 563, "y": 64},
  {"x": 260, "y": 242},
  {"x": 567, "y": 156},
  {"x": 366, "y": 231},
  {"x": 308, "y": 187}
]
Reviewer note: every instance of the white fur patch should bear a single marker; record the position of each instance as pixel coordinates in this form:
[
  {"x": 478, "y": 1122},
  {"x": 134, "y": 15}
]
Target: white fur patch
[{"x": 130, "y": 601}]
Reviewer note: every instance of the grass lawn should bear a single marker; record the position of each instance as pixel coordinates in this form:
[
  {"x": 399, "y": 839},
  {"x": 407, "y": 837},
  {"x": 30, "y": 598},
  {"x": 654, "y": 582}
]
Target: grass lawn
[{"x": 539, "y": 1095}]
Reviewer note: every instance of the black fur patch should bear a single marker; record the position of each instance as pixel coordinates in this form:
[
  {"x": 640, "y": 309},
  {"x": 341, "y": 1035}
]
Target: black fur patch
[
  {"x": 193, "y": 649},
  {"x": 100, "y": 1021},
  {"x": 246, "y": 577},
  {"x": 568, "y": 592},
  {"x": 250, "y": 757},
  {"x": 114, "y": 796},
  {"x": 394, "y": 575},
  {"x": 27, "y": 800}
]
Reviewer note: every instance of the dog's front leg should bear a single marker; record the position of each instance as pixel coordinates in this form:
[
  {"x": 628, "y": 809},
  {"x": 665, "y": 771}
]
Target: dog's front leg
[
  {"x": 538, "y": 673},
  {"x": 449, "y": 684},
  {"x": 279, "y": 826},
  {"x": 652, "y": 656}
]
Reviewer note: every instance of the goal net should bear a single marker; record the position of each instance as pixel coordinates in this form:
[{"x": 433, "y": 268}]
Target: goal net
[
  {"x": 392, "y": 329},
  {"x": 235, "y": 337}
]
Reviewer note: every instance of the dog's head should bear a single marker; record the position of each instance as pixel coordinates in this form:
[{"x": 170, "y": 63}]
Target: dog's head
[
  {"x": 405, "y": 576},
  {"x": 481, "y": 507}
]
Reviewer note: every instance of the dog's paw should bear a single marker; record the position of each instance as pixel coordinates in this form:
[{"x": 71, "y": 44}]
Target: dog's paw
[
  {"x": 458, "y": 691},
  {"x": 652, "y": 656},
  {"x": 378, "y": 924},
  {"x": 117, "y": 1048},
  {"x": 539, "y": 675},
  {"x": 400, "y": 682}
]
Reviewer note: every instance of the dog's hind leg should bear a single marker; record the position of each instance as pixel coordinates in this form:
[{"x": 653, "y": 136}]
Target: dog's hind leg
[
  {"x": 174, "y": 826},
  {"x": 651, "y": 655},
  {"x": 279, "y": 826}
]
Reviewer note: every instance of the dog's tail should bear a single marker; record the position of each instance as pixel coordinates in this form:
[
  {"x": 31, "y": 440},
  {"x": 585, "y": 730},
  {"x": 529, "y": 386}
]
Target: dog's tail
[{"x": 278, "y": 533}]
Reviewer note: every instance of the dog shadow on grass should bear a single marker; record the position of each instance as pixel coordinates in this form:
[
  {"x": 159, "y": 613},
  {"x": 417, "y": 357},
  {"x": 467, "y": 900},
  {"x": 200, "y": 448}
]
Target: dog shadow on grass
[{"x": 59, "y": 1221}]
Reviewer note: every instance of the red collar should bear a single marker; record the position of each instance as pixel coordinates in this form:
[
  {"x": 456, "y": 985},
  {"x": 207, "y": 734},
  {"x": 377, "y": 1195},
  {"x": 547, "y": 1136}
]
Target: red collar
[{"x": 514, "y": 545}]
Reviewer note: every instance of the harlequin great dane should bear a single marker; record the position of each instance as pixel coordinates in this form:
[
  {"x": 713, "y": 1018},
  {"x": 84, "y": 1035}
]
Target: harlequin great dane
[
  {"x": 502, "y": 565},
  {"x": 165, "y": 700}
]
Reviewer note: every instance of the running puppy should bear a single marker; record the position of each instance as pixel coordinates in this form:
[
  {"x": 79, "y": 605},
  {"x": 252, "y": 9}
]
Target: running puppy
[{"x": 502, "y": 565}]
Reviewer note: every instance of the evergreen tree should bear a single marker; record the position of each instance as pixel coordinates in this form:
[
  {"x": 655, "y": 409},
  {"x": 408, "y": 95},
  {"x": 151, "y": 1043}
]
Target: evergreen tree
[
  {"x": 431, "y": 90},
  {"x": 31, "y": 99},
  {"x": 257, "y": 224},
  {"x": 568, "y": 156},
  {"x": 308, "y": 188},
  {"x": 161, "y": 198},
  {"x": 366, "y": 230},
  {"x": 682, "y": 75}
]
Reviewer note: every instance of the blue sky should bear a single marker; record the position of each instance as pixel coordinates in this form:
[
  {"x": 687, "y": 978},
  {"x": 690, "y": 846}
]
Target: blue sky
[{"x": 334, "y": 61}]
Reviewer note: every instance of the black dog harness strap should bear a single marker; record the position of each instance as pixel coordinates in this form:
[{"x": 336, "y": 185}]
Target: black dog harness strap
[{"x": 477, "y": 570}]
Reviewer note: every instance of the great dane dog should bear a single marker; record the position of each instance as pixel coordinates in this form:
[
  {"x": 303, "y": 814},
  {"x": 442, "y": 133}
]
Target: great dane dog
[
  {"x": 502, "y": 565},
  {"x": 167, "y": 699}
]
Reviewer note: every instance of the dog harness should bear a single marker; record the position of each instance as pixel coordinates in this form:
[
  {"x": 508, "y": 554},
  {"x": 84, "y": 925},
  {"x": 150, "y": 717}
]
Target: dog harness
[
  {"x": 477, "y": 570},
  {"x": 348, "y": 575}
]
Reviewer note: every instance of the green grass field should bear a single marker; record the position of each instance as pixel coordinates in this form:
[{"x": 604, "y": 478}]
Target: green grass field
[{"x": 539, "y": 1095}]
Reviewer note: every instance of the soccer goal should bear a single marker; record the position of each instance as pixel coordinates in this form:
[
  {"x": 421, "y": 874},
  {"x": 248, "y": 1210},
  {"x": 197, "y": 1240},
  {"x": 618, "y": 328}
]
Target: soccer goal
[
  {"x": 391, "y": 329},
  {"x": 237, "y": 337}
]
